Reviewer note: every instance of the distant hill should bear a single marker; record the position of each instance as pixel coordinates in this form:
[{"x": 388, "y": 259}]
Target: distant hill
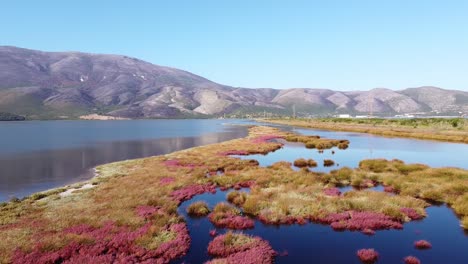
[
  {"x": 10, "y": 117},
  {"x": 40, "y": 84}
]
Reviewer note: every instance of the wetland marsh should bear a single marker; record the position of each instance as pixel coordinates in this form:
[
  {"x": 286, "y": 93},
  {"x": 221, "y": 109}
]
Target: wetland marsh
[{"x": 137, "y": 210}]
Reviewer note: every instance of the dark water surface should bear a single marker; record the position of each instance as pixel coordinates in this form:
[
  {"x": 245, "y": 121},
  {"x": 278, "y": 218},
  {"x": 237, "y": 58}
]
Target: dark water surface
[
  {"x": 39, "y": 155},
  {"x": 317, "y": 243}
]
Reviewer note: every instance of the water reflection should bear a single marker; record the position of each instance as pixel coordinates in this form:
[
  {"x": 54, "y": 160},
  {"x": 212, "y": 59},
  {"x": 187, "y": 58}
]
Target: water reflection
[{"x": 23, "y": 174}]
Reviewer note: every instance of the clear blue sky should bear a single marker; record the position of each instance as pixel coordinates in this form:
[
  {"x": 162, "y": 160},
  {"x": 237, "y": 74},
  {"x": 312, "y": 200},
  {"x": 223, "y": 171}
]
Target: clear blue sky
[{"x": 345, "y": 45}]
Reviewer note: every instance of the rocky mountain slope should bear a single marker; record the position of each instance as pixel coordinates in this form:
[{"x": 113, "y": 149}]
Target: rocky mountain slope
[{"x": 40, "y": 84}]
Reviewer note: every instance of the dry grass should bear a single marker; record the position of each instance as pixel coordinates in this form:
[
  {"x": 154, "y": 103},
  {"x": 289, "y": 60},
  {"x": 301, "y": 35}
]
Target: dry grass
[
  {"x": 432, "y": 129},
  {"x": 199, "y": 208}
]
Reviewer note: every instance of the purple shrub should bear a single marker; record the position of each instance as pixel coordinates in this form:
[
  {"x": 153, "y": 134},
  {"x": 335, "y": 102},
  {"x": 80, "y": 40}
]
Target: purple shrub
[
  {"x": 177, "y": 164},
  {"x": 245, "y": 184},
  {"x": 166, "y": 180},
  {"x": 186, "y": 193},
  {"x": 422, "y": 244},
  {"x": 368, "y": 255},
  {"x": 360, "y": 221},
  {"x": 111, "y": 243},
  {"x": 411, "y": 213},
  {"x": 146, "y": 211},
  {"x": 332, "y": 191},
  {"x": 256, "y": 250},
  {"x": 412, "y": 260},
  {"x": 231, "y": 221},
  {"x": 390, "y": 189},
  {"x": 213, "y": 232},
  {"x": 368, "y": 231}
]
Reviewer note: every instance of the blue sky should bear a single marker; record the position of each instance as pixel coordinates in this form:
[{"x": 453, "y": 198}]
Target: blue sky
[{"x": 344, "y": 45}]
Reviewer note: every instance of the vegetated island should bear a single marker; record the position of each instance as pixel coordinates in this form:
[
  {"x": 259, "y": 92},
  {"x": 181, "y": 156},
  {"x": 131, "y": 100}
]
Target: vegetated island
[
  {"x": 5, "y": 116},
  {"x": 128, "y": 212},
  {"x": 442, "y": 129}
]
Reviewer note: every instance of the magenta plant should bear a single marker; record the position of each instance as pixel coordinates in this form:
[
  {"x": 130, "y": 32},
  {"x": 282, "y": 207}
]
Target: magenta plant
[
  {"x": 231, "y": 221},
  {"x": 412, "y": 260},
  {"x": 166, "y": 180},
  {"x": 146, "y": 211},
  {"x": 422, "y": 244},
  {"x": 213, "y": 232},
  {"x": 411, "y": 213},
  {"x": 368, "y": 255},
  {"x": 186, "y": 193},
  {"x": 250, "y": 250},
  {"x": 390, "y": 189},
  {"x": 110, "y": 243},
  {"x": 176, "y": 164},
  {"x": 360, "y": 221},
  {"x": 332, "y": 191}
]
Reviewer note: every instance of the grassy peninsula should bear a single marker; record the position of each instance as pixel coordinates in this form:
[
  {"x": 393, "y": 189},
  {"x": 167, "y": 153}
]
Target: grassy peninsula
[{"x": 442, "y": 129}]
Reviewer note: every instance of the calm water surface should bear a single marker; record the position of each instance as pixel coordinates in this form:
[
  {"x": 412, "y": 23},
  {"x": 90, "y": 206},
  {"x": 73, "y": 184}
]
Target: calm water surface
[
  {"x": 317, "y": 243},
  {"x": 366, "y": 146},
  {"x": 39, "y": 155}
]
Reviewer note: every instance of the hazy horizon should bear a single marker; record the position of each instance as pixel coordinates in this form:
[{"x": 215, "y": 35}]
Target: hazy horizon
[{"x": 333, "y": 45}]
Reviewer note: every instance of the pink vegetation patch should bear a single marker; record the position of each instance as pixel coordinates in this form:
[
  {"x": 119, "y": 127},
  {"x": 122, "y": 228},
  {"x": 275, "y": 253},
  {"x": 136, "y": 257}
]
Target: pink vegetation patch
[
  {"x": 231, "y": 221},
  {"x": 146, "y": 211},
  {"x": 265, "y": 138},
  {"x": 166, "y": 180},
  {"x": 332, "y": 191},
  {"x": 213, "y": 232},
  {"x": 389, "y": 189},
  {"x": 362, "y": 221},
  {"x": 368, "y": 255},
  {"x": 190, "y": 191},
  {"x": 177, "y": 164},
  {"x": 246, "y": 184},
  {"x": 422, "y": 244},
  {"x": 111, "y": 243},
  {"x": 412, "y": 260},
  {"x": 256, "y": 251},
  {"x": 411, "y": 213}
]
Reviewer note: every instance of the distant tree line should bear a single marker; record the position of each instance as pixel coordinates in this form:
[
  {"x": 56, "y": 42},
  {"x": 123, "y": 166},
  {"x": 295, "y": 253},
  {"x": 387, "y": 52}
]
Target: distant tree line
[{"x": 4, "y": 116}]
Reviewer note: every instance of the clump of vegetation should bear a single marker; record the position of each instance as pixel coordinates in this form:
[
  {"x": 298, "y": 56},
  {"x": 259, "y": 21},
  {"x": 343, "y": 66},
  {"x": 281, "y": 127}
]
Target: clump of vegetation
[
  {"x": 422, "y": 244},
  {"x": 301, "y": 163},
  {"x": 411, "y": 260},
  {"x": 343, "y": 146},
  {"x": 311, "y": 163},
  {"x": 227, "y": 216},
  {"x": 368, "y": 255},
  {"x": 237, "y": 198},
  {"x": 328, "y": 163},
  {"x": 240, "y": 248},
  {"x": 198, "y": 209}
]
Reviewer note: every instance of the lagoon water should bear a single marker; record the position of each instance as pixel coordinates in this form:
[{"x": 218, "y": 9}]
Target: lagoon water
[
  {"x": 367, "y": 146},
  {"x": 40, "y": 155}
]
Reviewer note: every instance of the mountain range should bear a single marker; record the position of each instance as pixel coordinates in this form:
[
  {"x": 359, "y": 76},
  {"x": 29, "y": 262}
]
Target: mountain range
[{"x": 39, "y": 84}]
